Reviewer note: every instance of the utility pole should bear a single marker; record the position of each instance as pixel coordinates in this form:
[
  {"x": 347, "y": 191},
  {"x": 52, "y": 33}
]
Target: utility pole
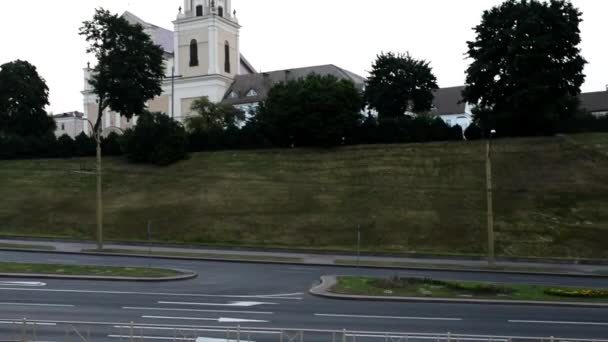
[
  {"x": 490, "y": 211},
  {"x": 99, "y": 193}
]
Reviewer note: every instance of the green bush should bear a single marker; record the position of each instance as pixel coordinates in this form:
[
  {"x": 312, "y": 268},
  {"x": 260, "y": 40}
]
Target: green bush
[
  {"x": 66, "y": 147},
  {"x": 473, "y": 288},
  {"x": 84, "y": 145},
  {"x": 157, "y": 139},
  {"x": 110, "y": 145},
  {"x": 473, "y": 132}
]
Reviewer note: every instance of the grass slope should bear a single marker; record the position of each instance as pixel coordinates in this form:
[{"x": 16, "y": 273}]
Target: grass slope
[{"x": 551, "y": 198}]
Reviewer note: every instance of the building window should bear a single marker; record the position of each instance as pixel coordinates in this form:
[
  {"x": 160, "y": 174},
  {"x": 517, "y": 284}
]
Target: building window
[
  {"x": 63, "y": 127},
  {"x": 199, "y": 10},
  {"x": 193, "y": 53},
  {"x": 233, "y": 95},
  {"x": 220, "y": 11},
  {"x": 227, "y": 57},
  {"x": 252, "y": 93}
]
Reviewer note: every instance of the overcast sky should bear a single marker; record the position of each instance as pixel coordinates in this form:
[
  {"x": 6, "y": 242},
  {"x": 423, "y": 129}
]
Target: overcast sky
[{"x": 279, "y": 34}]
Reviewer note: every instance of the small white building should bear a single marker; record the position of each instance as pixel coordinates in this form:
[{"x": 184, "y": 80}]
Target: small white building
[
  {"x": 70, "y": 123},
  {"x": 595, "y": 103},
  {"x": 449, "y": 106}
]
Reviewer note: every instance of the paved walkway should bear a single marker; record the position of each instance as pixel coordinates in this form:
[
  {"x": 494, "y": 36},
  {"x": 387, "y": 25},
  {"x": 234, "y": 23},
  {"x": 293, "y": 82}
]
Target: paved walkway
[{"x": 327, "y": 259}]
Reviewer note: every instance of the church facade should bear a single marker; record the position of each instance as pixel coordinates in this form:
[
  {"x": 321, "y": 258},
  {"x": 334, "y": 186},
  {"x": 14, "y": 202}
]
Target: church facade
[{"x": 203, "y": 58}]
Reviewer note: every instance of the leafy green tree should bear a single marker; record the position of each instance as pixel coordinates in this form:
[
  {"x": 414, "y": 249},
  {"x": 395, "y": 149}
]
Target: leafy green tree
[
  {"x": 400, "y": 83},
  {"x": 66, "y": 148},
  {"x": 526, "y": 68},
  {"x": 313, "y": 111},
  {"x": 129, "y": 69},
  {"x": 23, "y": 97},
  {"x": 210, "y": 116},
  {"x": 157, "y": 139},
  {"x": 110, "y": 145}
]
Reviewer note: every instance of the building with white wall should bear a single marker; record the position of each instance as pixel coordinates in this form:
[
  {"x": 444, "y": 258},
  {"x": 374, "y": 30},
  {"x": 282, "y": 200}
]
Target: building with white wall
[{"x": 69, "y": 124}]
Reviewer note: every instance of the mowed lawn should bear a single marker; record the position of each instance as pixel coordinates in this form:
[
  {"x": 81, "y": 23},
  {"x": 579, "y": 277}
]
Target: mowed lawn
[{"x": 551, "y": 198}]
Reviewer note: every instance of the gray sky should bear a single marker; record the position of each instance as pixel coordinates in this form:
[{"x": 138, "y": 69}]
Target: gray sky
[{"x": 279, "y": 34}]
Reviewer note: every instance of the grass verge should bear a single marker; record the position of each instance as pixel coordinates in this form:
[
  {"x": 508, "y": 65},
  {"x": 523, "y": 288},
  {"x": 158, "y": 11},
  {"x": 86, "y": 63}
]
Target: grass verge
[
  {"x": 429, "y": 288},
  {"x": 22, "y": 246},
  {"x": 79, "y": 270},
  {"x": 199, "y": 255}
]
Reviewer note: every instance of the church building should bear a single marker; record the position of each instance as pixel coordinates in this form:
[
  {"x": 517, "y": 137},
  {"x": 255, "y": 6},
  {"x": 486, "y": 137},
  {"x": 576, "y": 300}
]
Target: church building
[{"x": 203, "y": 58}]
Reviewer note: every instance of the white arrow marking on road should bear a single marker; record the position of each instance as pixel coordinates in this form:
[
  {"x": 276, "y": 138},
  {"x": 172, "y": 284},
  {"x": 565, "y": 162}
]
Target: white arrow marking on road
[
  {"x": 220, "y": 320},
  {"x": 22, "y": 283},
  {"x": 240, "y": 304},
  {"x": 196, "y": 310},
  {"x": 200, "y": 339}
]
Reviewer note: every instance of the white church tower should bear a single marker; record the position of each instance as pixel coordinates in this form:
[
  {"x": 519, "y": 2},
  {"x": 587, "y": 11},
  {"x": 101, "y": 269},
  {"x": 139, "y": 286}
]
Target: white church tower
[{"x": 206, "y": 52}]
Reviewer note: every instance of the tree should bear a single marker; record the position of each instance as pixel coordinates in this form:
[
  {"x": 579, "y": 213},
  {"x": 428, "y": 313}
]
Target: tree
[
  {"x": 129, "y": 69},
  {"x": 314, "y": 111},
  {"x": 473, "y": 132},
  {"x": 84, "y": 145},
  {"x": 526, "y": 68},
  {"x": 129, "y": 72},
  {"x": 210, "y": 116},
  {"x": 157, "y": 139},
  {"x": 23, "y": 97},
  {"x": 400, "y": 83}
]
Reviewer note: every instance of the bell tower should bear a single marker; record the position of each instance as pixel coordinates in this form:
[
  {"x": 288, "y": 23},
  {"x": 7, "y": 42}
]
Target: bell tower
[{"x": 207, "y": 39}]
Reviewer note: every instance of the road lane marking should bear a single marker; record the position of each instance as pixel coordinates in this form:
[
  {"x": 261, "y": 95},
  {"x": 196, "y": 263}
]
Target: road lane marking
[
  {"x": 392, "y": 317},
  {"x": 557, "y": 322},
  {"x": 219, "y": 320},
  {"x": 35, "y": 304},
  {"x": 415, "y": 337},
  {"x": 198, "y": 339},
  {"x": 22, "y": 283},
  {"x": 151, "y": 338},
  {"x": 233, "y": 304},
  {"x": 28, "y": 323},
  {"x": 273, "y": 297},
  {"x": 168, "y": 328},
  {"x": 197, "y": 310}
]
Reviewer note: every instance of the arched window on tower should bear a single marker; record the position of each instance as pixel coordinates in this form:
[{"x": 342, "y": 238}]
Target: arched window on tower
[
  {"x": 227, "y": 57},
  {"x": 199, "y": 10},
  {"x": 220, "y": 11},
  {"x": 193, "y": 53}
]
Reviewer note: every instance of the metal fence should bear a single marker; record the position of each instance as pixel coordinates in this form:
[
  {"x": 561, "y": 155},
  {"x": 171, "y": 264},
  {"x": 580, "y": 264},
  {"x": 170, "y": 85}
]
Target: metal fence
[{"x": 47, "y": 331}]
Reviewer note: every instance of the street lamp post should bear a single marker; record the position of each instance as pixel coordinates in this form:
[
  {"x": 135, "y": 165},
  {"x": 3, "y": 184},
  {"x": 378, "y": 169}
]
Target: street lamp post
[
  {"x": 490, "y": 211},
  {"x": 99, "y": 212}
]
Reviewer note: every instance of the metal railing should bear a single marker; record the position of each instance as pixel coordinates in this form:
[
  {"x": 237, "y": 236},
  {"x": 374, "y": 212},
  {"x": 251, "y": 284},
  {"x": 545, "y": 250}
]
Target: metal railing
[{"x": 34, "y": 331}]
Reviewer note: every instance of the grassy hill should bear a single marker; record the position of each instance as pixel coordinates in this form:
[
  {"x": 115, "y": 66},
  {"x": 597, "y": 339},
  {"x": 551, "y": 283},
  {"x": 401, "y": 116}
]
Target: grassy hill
[{"x": 551, "y": 198}]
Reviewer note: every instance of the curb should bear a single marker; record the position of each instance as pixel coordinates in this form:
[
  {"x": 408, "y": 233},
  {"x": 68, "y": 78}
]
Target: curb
[
  {"x": 270, "y": 262},
  {"x": 188, "y": 275},
  {"x": 327, "y": 282},
  {"x": 342, "y": 253}
]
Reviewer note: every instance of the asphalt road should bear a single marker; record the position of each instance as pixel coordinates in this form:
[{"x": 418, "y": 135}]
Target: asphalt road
[{"x": 262, "y": 296}]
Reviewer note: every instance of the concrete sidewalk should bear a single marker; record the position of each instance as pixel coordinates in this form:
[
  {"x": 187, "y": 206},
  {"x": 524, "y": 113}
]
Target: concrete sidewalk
[{"x": 456, "y": 263}]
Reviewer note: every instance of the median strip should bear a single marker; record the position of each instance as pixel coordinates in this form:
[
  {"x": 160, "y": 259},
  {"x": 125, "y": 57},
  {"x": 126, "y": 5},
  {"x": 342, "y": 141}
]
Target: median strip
[
  {"x": 432, "y": 290},
  {"x": 90, "y": 272}
]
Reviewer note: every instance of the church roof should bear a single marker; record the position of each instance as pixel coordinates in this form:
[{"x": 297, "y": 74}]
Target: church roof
[
  {"x": 261, "y": 83},
  {"x": 160, "y": 36},
  {"x": 448, "y": 101},
  {"x": 595, "y": 101}
]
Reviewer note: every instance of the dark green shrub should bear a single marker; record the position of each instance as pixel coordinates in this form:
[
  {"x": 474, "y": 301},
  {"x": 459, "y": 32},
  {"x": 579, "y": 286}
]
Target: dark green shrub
[
  {"x": 157, "y": 139},
  {"x": 66, "y": 147},
  {"x": 110, "y": 145},
  {"x": 473, "y": 132},
  {"x": 84, "y": 146}
]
